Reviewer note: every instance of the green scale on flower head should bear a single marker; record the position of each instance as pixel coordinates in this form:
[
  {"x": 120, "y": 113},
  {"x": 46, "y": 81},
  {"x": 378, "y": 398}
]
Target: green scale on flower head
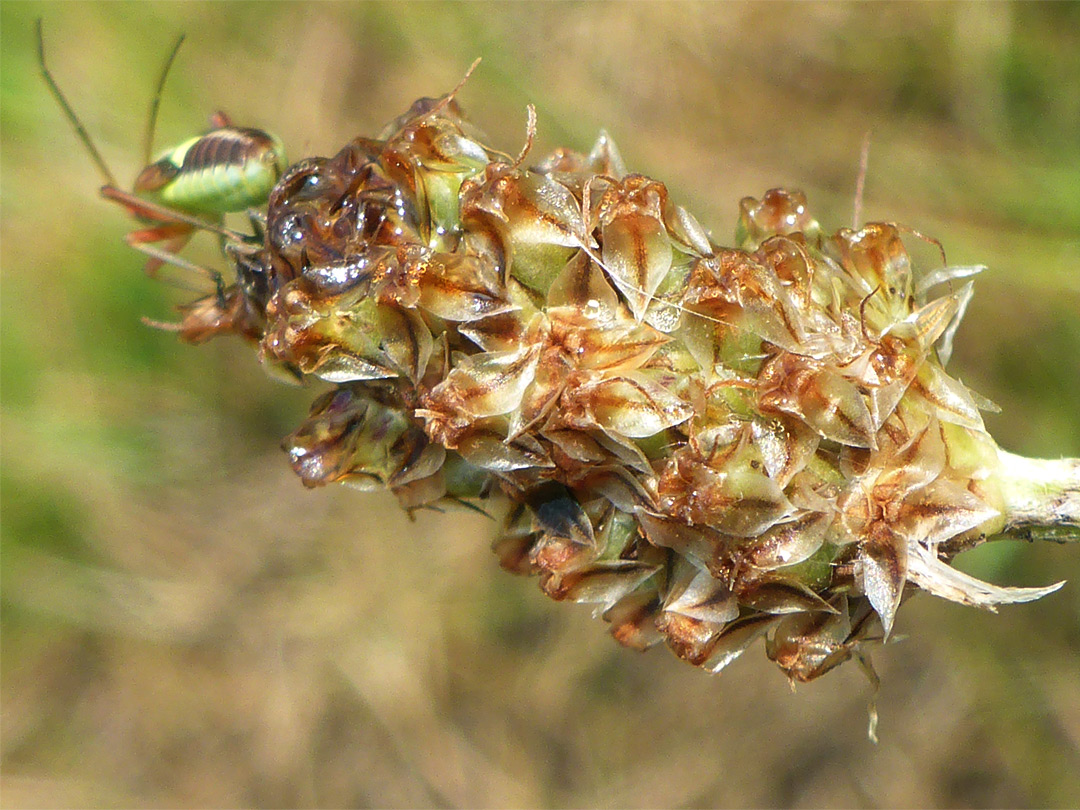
[{"x": 709, "y": 444}]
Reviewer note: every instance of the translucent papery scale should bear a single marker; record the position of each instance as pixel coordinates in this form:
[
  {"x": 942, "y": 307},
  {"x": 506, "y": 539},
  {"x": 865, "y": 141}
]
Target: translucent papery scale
[{"x": 707, "y": 444}]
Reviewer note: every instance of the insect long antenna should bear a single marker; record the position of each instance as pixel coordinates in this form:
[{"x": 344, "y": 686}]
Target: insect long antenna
[
  {"x": 151, "y": 123},
  {"x": 80, "y": 130}
]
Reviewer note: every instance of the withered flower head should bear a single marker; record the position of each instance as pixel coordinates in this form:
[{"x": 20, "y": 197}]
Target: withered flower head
[{"x": 709, "y": 444}]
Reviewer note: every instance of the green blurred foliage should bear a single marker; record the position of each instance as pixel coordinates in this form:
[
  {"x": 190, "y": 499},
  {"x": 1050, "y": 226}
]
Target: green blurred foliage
[{"x": 184, "y": 624}]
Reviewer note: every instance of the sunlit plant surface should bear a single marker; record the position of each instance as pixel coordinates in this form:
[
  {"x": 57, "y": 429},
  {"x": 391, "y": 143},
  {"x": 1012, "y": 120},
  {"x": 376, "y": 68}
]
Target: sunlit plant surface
[{"x": 102, "y": 477}]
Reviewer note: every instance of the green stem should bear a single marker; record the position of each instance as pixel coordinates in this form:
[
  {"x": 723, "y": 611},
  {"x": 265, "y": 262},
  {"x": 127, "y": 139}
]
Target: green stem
[{"x": 1042, "y": 497}]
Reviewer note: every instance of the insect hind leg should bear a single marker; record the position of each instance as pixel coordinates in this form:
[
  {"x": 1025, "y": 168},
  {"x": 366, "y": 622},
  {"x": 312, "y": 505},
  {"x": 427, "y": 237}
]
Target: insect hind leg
[
  {"x": 148, "y": 209},
  {"x": 163, "y": 257},
  {"x": 176, "y": 234}
]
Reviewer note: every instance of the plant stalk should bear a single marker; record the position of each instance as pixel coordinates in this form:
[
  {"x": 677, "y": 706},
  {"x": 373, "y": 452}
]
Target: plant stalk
[{"x": 1042, "y": 498}]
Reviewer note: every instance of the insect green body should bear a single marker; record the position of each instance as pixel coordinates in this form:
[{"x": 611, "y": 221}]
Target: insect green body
[
  {"x": 190, "y": 187},
  {"x": 228, "y": 169}
]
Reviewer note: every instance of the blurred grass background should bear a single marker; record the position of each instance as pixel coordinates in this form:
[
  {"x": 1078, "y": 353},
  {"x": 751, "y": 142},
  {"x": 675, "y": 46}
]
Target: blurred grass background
[{"x": 184, "y": 625}]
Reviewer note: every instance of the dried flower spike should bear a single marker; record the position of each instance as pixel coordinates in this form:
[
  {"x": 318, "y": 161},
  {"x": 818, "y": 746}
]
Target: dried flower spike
[{"x": 709, "y": 444}]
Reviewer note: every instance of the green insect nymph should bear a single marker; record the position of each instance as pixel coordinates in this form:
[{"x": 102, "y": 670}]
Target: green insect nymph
[
  {"x": 190, "y": 187},
  {"x": 228, "y": 169}
]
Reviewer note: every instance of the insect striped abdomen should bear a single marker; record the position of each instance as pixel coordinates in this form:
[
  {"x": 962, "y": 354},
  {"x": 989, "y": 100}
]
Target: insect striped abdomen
[{"x": 226, "y": 170}]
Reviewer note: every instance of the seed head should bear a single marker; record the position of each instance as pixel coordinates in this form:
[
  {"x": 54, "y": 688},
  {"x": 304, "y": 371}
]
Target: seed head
[{"x": 708, "y": 444}]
